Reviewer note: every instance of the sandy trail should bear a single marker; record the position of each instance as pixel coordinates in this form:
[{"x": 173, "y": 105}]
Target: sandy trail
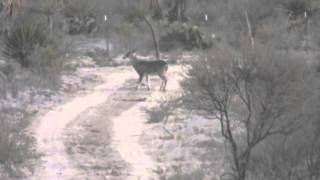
[
  {"x": 49, "y": 133},
  {"x": 128, "y": 128},
  {"x": 128, "y": 120},
  {"x": 130, "y": 125}
]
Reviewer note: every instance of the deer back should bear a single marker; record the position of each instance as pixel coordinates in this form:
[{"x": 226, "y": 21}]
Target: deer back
[{"x": 150, "y": 67}]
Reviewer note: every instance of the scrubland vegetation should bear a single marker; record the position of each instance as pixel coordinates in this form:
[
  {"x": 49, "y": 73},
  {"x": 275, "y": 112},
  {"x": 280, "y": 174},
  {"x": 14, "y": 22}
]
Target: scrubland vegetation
[{"x": 255, "y": 70}]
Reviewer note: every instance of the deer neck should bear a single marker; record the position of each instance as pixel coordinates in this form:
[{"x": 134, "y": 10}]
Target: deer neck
[{"x": 134, "y": 59}]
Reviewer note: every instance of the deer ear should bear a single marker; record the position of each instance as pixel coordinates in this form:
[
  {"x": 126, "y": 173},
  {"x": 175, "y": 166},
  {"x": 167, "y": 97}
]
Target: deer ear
[
  {"x": 126, "y": 55},
  {"x": 129, "y": 53}
]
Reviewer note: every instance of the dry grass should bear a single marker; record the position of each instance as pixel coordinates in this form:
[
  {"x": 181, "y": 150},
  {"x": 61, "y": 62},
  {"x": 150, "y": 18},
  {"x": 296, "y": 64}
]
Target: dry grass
[{"x": 15, "y": 144}]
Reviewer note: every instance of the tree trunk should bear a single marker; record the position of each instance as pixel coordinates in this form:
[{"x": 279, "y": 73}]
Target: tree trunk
[
  {"x": 13, "y": 7},
  {"x": 250, "y": 33},
  {"x": 157, "y": 10},
  {"x": 177, "y": 12},
  {"x": 306, "y": 38},
  {"x": 50, "y": 21},
  {"x": 155, "y": 42},
  {"x": 107, "y": 35}
]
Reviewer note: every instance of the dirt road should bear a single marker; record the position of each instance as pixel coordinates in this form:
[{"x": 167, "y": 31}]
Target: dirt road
[{"x": 96, "y": 136}]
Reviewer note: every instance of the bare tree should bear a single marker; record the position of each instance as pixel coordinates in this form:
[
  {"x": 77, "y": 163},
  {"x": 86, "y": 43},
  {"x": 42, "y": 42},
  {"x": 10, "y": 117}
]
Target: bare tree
[
  {"x": 155, "y": 41},
  {"x": 140, "y": 13},
  {"x": 253, "y": 97},
  {"x": 177, "y": 11},
  {"x": 157, "y": 9}
]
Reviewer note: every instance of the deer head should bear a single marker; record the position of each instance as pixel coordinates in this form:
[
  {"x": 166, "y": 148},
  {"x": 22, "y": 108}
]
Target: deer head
[{"x": 129, "y": 54}]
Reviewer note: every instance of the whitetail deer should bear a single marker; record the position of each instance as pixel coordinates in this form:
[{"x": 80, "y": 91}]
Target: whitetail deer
[{"x": 145, "y": 68}]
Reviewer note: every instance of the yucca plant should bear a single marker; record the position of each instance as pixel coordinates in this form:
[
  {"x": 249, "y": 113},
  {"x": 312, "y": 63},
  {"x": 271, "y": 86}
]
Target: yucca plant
[{"x": 22, "y": 40}]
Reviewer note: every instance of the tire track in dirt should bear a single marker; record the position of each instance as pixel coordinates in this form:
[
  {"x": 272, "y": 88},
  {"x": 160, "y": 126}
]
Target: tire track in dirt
[
  {"x": 129, "y": 126},
  {"x": 97, "y": 136},
  {"x": 55, "y": 163},
  {"x": 94, "y": 152}
]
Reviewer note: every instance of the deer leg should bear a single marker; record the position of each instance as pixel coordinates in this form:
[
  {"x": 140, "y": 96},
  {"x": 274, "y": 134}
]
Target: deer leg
[
  {"x": 161, "y": 86},
  {"x": 164, "y": 82},
  {"x": 139, "y": 81},
  {"x": 148, "y": 83}
]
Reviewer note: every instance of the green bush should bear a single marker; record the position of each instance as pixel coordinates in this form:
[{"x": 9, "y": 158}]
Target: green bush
[
  {"x": 179, "y": 174},
  {"x": 47, "y": 62},
  {"x": 101, "y": 58},
  {"x": 81, "y": 16},
  {"x": 156, "y": 115},
  {"x": 15, "y": 144},
  {"x": 297, "y": 8},
  {"x": 186, "y": 36},
  {"x": 195, "y": 175},
  {"x": 162, "y": 111}
]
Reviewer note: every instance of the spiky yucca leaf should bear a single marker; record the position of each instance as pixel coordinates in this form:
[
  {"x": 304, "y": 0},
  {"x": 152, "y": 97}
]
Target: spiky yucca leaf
[{"x": 22, "y": 40}]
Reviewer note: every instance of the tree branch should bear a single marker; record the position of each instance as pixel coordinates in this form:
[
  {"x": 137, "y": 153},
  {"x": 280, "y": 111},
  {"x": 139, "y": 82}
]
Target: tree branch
[{"x": 250, "y": 34}]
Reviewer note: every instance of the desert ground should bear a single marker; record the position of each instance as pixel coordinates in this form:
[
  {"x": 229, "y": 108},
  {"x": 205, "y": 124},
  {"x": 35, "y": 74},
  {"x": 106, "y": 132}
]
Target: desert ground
[{"x": 102, "y": 132}]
